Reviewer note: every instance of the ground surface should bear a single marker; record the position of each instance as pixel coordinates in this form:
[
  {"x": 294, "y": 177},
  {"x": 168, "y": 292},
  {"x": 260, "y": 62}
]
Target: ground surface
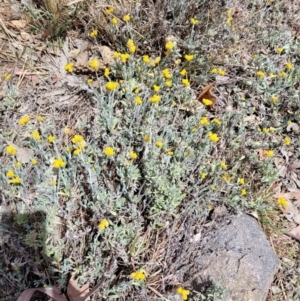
[{"x": 150, "y": 164}]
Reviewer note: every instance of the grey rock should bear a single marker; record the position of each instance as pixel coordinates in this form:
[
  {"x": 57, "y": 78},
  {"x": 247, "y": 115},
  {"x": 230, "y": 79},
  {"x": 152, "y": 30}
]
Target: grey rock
[{"x": 240, "y": 258}]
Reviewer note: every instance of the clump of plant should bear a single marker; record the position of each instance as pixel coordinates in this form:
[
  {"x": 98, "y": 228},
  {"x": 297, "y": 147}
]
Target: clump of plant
[{"x": 154, "y": 153}]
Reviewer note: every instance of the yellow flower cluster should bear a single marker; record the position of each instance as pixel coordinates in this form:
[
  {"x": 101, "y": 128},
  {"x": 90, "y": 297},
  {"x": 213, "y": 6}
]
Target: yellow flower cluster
[
  {"x": 110, "y": 86},
  {"x": 79, "y": 143},
  {"x": 69, "y": 67},
  {"x": 194, "y": 21},
  {"x": 282, "y": 202},
  {"x": 94, "y": 64},
  {"x": 109, "y": 151},
  {"x": 207, "y": 101},
  {"x": 219, "y": 71},
  {"x": 166, "y": 73},
  {"x": 213, "y": 137},
  {"x": 133, "y": 155},
  {"x": 131, "y": 46},
  {"x": 11, "y": 150},
  {"x": 138, "y": 275},
  {"x": 23, "y": 120},
  {"x": 94, "y": 33},
  {"x": 184, "y": 293},
  {"x": 123, "y": 56},
  {"x": 103, "y": 224},
  {"x": 188, "y": 57},
  {"x": 155, "y": 98},
  {"x": 58, "y": 163},
  {"x": 35, "y": 135}
]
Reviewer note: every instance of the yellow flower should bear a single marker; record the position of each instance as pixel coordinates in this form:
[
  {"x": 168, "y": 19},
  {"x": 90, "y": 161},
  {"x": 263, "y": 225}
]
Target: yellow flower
[
  {"x": 35, "y": 135},
  {"x": 282, "y": 74},
  {"x": 287, "y": 140},
  {"x": 279, "y": 49},
  {"x": 260, "y": 74},
  {"x": 58, "y": 163},
  {"x": 40, "y": 118},
  {"x": 194, "y": 21},
  {"x": 110, "y": 86},
  {"x": 207, "y": 102},
  {"x": 229, "y": 20},
  {"x": 34, "y": 161},
  {"x": 139, "y": 275},
  {"x": 130, "y": 43},
  {"x": 10, "y": 174},
  {"x": 69, "y": 67},
  {"x": 203, "y": 175},
  {"x": 114, "y": 21},
  {"x": 124, "y": 57},
  {"x": 156, "y": 61},
  {"x": 183, "y": 72},
  {"x": 106, "y": 72},
  {"x": 136, "y": 90},
  {"x": 109, "y": 11},
  {"x": 94, "y": 33},
  {"x": 15, "y": 180},
  {"x": 289, "y": 66},
  {"x": 23, "y": 120},
  {"x": 183, "y": 293},
  {"x": 68, "y": 149},
  {"x": 243, "y": 192},
  {"x": 103, "y": 224},
  {"x": 51, "y": 138},
  {"x": 146, "y": 59},
  {"x": 109, "y": 151},
  {"x": 188, "y": 57},
  {"x": 159, "y": 143},
  {"x": 94, "y": 64},
  {"x": 266, "y": 130},
  {"x": 138, "y": 100},
  {"x": 133, "y": 155},
  {"x": 169, "y": 45},
  {"x": 18, "y": 164},
  {"x": 269, "y": 153},
  {"x": 185, "y": 82},
  {"x": 214, "y": 71},
  {"x": 132, "y": 49},
  {"x": 154, "y": 98},
  {"x": 146, "y": 138},
  {"x": 167, "y": 73},
  {"x": 155, "y": 88},
  {"x": 221, "y": 72},
  {"x": 213, "y": 187},
  {"x": 7, "y": 76},
  {"x": 168, "y": 83},
  {"x": 217, "y": 121},
  {"x": 274, "y": 99},
  {"x": 223, "y": 165},
  {"x": 77, "y": 151},
  {"x": 204, "y": 121},
  {"x": 11, "y": 150},
  {"x": 170, "y": 152},
  {"x": 242, "y": 181},
  {"x": 213, "y": 137},
  {"x": 89, "y": 80},
  {"x": 126, "y": 18},
  {"x": 282, "y": 202}
]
